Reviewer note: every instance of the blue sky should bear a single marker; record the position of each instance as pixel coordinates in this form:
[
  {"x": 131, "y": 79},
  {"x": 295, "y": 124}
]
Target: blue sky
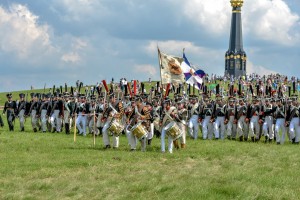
[{"x": 57, "y": 41}]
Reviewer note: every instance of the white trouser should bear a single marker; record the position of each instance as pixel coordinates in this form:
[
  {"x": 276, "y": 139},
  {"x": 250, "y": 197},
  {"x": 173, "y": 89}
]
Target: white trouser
[
  {"x": 268, "y": 127},
  {"x": 194, "y": 126},
  {"x": 207, "y": 128},
  {"x": 55, "y": 118},
  {"x": 34, "y": 119},
  {"x": 81, "y": 123},
  {"x": 170, "y": 141},
  {"x": 280, "y": 125},
  {"x": 242, "y": 127},
  {"x": 66, "y": 116},
  {"x": 183, "y": 131},
  {"x": 44, "y": 120},
  {"x": 231, "y": 127},
  {"x": 21, "y": 118},
  {"x": 151, "y": 133},
  {"x": 106, "y": 138},
  {"x": 133, "y": 141},
  {"x": 254, "y": 127},
  {"x": 295, "y": 129},
  {"x": 219, "y": 128},
  {"x": 92, "y": 127}
]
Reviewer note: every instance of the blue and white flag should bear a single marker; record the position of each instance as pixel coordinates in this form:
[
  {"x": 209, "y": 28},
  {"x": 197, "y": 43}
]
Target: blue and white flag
[{"x": 192, "y": 76}]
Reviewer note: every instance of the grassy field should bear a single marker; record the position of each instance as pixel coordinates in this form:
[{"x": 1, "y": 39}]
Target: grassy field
[{"x": 52, "y": 166}]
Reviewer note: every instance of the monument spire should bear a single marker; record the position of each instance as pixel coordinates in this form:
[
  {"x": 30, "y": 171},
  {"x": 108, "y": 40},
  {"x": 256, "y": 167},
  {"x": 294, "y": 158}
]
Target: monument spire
[{"x": 235, "y": 57}]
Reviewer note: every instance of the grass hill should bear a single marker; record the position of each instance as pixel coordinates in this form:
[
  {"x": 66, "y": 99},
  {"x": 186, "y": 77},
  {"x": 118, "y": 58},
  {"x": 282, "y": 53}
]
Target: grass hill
[{"x": 52, "y": 166}]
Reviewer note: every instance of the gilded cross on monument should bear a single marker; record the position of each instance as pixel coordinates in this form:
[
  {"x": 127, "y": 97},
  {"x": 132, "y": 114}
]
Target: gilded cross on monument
[{"x": 235, "y": 57}]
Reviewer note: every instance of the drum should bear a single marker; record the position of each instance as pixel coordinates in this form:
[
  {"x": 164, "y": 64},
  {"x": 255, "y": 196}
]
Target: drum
[
  {"x": 173, "y": 130},
  {"x": 115, "y": 127},
  {"x": 139, "y": 131}
]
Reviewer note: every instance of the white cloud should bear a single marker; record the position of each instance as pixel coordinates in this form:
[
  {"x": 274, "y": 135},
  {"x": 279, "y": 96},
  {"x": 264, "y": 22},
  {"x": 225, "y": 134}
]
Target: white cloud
[
  {"x": 21, "y": 33},
  {"x": 78, "y": 45},
  {"x": 269, "y": 20},
  {"x": 149, "y": 69},
  {"x": 251, "y": 68},
  {"x": 213, "y": 16},
  {"x": 72, "y": 57},
  {"x": 272, "y": 21},
  {"x": 176, "y": 47},
  {"x": 80, "y": 10}
]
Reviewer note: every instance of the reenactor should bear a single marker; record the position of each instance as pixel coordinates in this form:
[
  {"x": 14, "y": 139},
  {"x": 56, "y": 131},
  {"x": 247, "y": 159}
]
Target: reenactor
[
  {"x": 205, "y": 118},
  {"x": 99, "y": 113},
  {"x": 82, "y": 111},
  {"x": 293, "y": 121},
  {"x": 253, "y": 117},
  {"x": 140, "y": 118},
  {"x": 280, "y": 121},
  {"x": 218, "y": 117},
  {"x": 194, "y": 112},
  {"x": 67, "y": 112},
  {"x": 44, "y": 111},
  {"x": 21, "y": 110},
  {"x": 33, "y": 111},
  {"x": 167, "y": 118},
  {"x": 91, "y": 117},
  {"x": 10, "y": 108},
  {"x": 241, "y": 119},
  {"x": 267, "y": 114},
  {"x": 112, "y": 114},
  {"x": 181, "y": 119},
  {"x": 230, "y": 120},
  {"x": 56, "y": 113}
]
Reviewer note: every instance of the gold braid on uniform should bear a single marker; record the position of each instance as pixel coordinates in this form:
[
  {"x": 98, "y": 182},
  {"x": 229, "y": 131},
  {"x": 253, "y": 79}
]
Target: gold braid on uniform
[{"x": 146, "y": 113}]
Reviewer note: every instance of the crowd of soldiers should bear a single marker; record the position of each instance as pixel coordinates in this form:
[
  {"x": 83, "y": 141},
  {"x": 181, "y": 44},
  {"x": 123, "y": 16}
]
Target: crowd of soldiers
[{"x": 272, "y": 116}]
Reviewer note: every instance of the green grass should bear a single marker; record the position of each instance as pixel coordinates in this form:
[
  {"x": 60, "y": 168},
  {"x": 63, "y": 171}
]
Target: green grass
[{"x": 52, "y": 166}]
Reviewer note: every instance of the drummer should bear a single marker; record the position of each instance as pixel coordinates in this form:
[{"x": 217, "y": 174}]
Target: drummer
[
  {"x": 139, "y": 118},
  {"x": 114, "y": 111},
  {"x": 166, "y": 118},
  {"x": 181, "y": 119}
]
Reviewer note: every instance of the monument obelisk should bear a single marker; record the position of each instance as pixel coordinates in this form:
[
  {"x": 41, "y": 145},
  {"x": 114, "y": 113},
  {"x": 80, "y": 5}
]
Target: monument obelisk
[{"x": 235, "y": 57}]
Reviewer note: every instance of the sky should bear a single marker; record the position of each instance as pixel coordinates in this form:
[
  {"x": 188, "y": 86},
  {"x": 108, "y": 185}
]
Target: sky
[{"x": 53, "y": 42}]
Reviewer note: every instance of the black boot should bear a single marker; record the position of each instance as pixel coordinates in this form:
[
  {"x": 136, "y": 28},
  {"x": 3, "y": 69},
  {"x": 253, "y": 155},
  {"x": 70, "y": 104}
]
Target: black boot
[
  {"x": 149, "y": 141},
  {"x": 266, "y": 139},
  {"x": 35, "y": 130},
  {"x": 67, "y": 128},
  {"x": 253, "y": 139},
  {"x": 241, "y": 138},
  {"x": 53, "y": 130},
  {"x": 22, "y": 129}
]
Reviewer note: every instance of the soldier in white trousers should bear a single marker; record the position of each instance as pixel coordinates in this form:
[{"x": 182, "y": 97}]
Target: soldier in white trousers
[
  {"x": 168, "y": 112},
  {"x": 294, "y": 121},
  {"x": 82, "y": 111},
  {"x": 219, "y": 117},
  {"x": 43, "y": 112},
  {"x": 194, "y": 120},
  {"x": 205, "y": 117},
  {"x": 230, "y": 119},
  {"x": 280, "y": 121},
  {"x": 253, "y": 116},
  {"x": 267, "y": 112},
  {"x": 242, "y": 124},
  {"x": 56, "y": 113},
  {"x": 114, "y": 111},
  {"x": 21, "y": 110},
  {"x": 33, "y": 112}
]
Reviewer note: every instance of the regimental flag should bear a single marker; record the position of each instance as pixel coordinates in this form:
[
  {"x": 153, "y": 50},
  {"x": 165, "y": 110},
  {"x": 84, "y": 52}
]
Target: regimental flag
[
  {"x": 192, "y": 76},
  {"x": 170, "y": 70}
]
